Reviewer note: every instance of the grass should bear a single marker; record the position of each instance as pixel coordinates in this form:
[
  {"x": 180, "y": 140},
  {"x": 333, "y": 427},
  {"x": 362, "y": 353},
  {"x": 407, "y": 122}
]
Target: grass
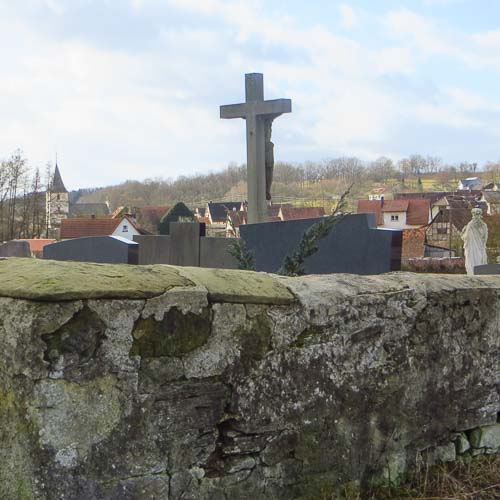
[{"x": 473, "y": 479}]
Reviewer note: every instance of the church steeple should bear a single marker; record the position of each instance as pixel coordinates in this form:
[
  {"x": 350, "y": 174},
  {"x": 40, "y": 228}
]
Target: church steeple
[
  {"x": 57, "y": 182},
  {"x": 56, "y": 203}
]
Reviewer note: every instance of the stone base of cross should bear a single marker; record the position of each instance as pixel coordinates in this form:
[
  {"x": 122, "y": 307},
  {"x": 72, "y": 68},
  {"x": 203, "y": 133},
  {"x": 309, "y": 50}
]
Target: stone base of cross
[{"x": 258, "y": 113}]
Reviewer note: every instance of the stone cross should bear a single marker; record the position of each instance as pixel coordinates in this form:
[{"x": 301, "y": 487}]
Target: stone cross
[{"x": 256, "y": 111}]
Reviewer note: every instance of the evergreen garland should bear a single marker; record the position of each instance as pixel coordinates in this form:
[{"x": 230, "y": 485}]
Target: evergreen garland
[
  {"x": 238, "y": 249},
  {"x": 293, "y": 264}
]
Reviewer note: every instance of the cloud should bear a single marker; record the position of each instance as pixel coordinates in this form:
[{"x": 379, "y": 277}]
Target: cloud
[
  {"x": 117, "y": 111},
  {"x": 348, "y": 16},
  {"x": 490, "y": 39}
]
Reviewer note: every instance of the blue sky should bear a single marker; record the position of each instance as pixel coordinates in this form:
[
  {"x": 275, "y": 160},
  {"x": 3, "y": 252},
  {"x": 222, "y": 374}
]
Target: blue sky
[{"x": 130, "y": 89}]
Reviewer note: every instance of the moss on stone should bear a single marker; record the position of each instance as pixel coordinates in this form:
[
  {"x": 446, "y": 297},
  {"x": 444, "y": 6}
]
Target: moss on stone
[
  {"x": 79, "y": 338},
  {"x": 306, "y": 334},
  {"x": 15, "y": 432},
  {"x": 255, "y": 341},
  {"x": 47, "y": 280},
  {"x": 176, "y": 335},
  {"x": 247, "y": 287}
]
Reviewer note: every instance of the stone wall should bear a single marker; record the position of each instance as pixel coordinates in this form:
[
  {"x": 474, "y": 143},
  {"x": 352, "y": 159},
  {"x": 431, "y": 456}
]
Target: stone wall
[
  {"x": 152, "y": 382},
  {"x": 453, "y": 265}
]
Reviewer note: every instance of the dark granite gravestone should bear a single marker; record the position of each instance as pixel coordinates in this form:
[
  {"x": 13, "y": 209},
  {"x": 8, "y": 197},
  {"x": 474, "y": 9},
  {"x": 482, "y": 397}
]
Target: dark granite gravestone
[
  {"x": 101, "y": 249},
  {"x": 15, "y": 248},
  {"x": 354, "y": 245},
  {"x": 487, "y": 269},
  {"x": 186, "y": 245}
]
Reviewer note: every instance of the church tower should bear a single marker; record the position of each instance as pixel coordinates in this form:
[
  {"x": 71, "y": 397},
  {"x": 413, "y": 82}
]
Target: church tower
[{"x": 57, "y": 202}]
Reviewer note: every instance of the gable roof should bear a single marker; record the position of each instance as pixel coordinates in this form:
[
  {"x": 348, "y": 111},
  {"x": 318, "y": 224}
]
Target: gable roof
[
  {"x": 492, "y": 197},
  {"x": 417, "y": 210},
  {"x": 371, "y": 207},
  {"x": 434, "y": 196},
  {"x": 237, "y": 218},
  {"x": 81, "y": 227},
  {"x": 273, "y": 210},
  {"x": 57, "y": 185},
  {"x": 394, "y": 205},
  {"x": 88, "y": 209},
  {"x": 217, "y": 212},
  {"x": 293, "y": 213}
]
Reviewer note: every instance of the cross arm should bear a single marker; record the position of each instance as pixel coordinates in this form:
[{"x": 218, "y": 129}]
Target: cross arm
[
  {"x": 233, "y": 111},
  {"x": 272, "y": 107}
]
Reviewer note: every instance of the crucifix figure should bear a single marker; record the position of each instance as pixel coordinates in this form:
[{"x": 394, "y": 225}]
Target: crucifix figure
[{"x": 259, "y": 116}]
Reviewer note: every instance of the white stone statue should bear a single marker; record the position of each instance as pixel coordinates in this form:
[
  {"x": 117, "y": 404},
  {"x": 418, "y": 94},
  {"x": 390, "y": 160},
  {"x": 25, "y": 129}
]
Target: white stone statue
[{"x": 475, "y": 236}]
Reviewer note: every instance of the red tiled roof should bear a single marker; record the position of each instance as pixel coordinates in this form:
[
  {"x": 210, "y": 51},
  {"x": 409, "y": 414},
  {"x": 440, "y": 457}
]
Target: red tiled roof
[
  {"x": 290, "y": 213},
  {"x": 79, "y": 228},
  {"x": 273, "y": 210},
  {"x": 418, "y": 212},
  {"x": 371, "y": 207},
  {"x": 156, "y": 211},
  {"x": 394, "y": 205}
]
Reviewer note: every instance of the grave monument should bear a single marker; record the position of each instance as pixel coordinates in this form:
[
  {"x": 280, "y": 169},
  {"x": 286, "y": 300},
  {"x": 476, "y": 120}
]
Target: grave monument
[
  {"x": 475, "y": 236},
  {"x": 259, "y": 115}
]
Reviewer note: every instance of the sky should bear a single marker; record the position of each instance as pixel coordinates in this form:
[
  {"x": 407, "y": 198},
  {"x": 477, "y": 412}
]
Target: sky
[{"x": 131, "y": 89}]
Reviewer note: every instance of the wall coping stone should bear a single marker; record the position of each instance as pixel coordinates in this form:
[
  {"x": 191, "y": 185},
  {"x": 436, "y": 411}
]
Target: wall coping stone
[{"x": 53, "y": 281}]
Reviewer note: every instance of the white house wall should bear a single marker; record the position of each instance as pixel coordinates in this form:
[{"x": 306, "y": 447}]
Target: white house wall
[{"x": 125, "y": 230}]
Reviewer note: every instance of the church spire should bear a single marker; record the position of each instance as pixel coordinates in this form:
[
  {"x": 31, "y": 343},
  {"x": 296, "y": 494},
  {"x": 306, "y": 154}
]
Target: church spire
[{"x": 57, "y": 182}]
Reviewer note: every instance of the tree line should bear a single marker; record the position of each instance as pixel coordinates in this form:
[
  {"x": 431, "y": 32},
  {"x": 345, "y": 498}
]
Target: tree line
[
  {"x": 22, "y": 199},
  {"x": 22, "y": 187},
  {"x": 290, "y": 179}
]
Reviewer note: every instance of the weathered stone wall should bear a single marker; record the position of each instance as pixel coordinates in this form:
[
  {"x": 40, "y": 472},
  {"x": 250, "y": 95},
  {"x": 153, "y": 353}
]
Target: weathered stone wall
[
  {"x": 455, "y": 265},
  {"x": 156, "y": 382}
]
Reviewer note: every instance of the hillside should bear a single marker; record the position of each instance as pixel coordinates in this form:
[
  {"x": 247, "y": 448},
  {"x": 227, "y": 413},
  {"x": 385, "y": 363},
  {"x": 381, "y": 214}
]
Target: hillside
[{"x": 309, "y": 183}]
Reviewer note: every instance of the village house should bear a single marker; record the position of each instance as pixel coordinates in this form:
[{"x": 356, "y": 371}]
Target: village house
[
  {"x": 378, "y": 193},
  {"x": 492, "y": 201},
  {"x": 275, "y": 212},
  {"x": 126, "y": 227},
  {"x": 216, "y": 212},
  {"x": 471, "y": 183},
  {"x": 492, "y": 186},
  {"x": 149, "y": 217},
  {"x": 397, "y": 214},
  {"x": 450, "y": 214}
]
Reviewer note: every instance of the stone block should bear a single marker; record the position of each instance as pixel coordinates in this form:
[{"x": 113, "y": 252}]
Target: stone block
[
  {"x": 99, "y": 249},
  {"x": 354, "y": 245},
  {"x": 15, "y": 248},
  {"x": 487, "y": 269},
  {"x": 487, "y": 438},
  {"x": 462, "y": 443}
]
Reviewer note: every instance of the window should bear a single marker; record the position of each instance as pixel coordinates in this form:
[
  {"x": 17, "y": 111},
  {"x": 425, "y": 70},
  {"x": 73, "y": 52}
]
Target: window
[
  {"x": 58, "y": 197},
  {"x": 125, "y": 228},
  {"x": 394, "y": 218}
]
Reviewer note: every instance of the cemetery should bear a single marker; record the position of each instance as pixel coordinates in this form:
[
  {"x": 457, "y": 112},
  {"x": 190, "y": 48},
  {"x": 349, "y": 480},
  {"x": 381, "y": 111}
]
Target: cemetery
[{"x": 290, "y": 357}]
